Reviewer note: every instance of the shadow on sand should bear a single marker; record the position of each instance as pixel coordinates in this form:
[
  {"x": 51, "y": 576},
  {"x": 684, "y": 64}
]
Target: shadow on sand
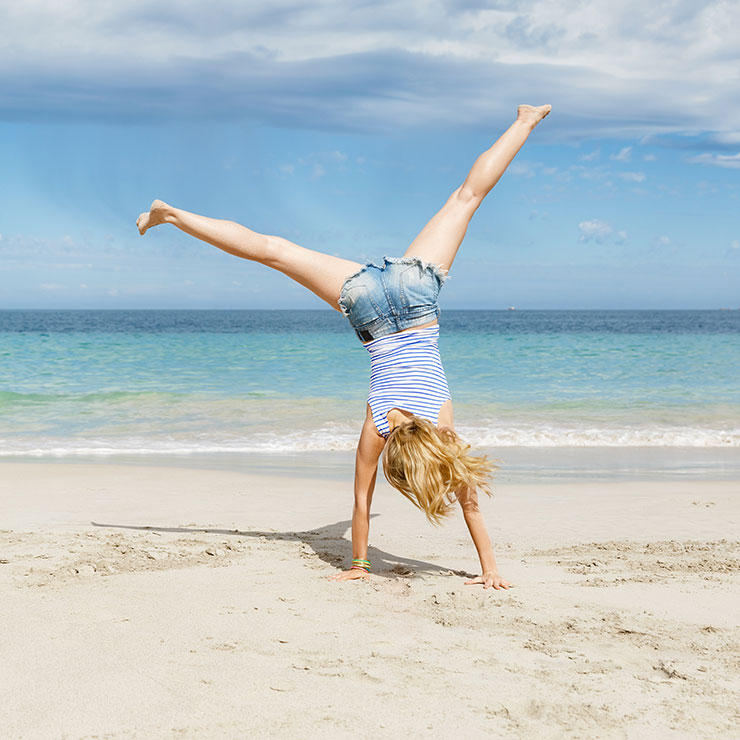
[{"x": 327, "y": 542}]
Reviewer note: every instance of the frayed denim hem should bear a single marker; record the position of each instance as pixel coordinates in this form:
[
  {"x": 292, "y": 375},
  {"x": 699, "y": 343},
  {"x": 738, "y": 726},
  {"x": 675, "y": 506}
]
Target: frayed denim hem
[{"x": 442, "y": 275}]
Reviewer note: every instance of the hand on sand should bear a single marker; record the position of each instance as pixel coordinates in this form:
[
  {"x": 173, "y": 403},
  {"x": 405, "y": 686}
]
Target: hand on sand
[
  {"x": 349, "y": 575},
  {"x": 488, "y": 580}
]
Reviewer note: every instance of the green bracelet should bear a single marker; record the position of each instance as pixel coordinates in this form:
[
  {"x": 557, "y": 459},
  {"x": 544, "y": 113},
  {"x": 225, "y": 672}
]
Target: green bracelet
[{"x": 360, "y": 564}]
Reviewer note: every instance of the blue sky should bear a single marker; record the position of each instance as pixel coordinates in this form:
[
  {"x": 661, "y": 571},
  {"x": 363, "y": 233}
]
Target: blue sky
[{"x": 344, "y": 127}]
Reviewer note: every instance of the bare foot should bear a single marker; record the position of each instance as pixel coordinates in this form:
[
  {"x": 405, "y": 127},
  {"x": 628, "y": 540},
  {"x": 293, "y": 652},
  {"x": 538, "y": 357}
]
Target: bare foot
[
  {"x": 532, "y": 114},
  {"x": 158, "y": 212}
]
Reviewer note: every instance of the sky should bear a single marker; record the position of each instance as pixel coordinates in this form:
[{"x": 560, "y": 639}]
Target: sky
[{"x": 344, "y": 126}]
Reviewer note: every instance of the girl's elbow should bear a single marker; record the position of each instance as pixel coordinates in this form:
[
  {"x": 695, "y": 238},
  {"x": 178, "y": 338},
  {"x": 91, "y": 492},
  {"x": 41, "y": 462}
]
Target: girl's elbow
[
  {"x": 470, "y": 508},
  {"x": 361, "y": 509}
]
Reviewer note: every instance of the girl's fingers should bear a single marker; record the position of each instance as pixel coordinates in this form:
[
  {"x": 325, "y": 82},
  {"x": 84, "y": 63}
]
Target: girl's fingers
[
  {"x": 348, "y": 576},
  {"x": 489, "y": 583}
]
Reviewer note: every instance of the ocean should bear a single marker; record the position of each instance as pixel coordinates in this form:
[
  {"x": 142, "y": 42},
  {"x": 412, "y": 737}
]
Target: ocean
[{"x": 563, "y": 387}]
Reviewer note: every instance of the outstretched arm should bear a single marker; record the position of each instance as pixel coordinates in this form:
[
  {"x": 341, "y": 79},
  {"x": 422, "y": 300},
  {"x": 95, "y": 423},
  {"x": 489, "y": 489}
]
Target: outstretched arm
[
  {"x": 366, "y": 469},
  {"x": 477, "y": 527}
]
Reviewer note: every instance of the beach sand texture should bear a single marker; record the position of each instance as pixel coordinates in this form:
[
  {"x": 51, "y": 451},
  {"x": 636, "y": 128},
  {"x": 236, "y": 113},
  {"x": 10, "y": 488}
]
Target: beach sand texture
[{"x": 158, "y": 601}]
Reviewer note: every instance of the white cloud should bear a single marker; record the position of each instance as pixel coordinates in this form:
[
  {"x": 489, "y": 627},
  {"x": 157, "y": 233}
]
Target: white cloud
[
  {"x": 52, "y": 287},
  {"x": 600, "y": 232},
  {"x": 623, "y": 155},
  {"x": 318, "y": 162},
  {"x": 662, "y": 246},
  {"x": 595, "y": 173},
  {"x": 731, "y": 161},
  {"x": 735, "y": 244},
  {"x": 590, "y": 156},
  {"x": 649, "y": 158},
  {"x": 522, "y": 168},
  {"x": 616, "y": 69},
  {"x": 594, "y": 230},
  {"x": 727, "y": 137},
  {"x": 633, "y": 176}
]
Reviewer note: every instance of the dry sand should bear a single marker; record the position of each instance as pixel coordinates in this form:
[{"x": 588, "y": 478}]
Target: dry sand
[{"x": 157, "y": 602}]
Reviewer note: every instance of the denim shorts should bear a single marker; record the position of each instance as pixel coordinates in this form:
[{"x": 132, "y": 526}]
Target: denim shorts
[{"x": 388, "y": 298}]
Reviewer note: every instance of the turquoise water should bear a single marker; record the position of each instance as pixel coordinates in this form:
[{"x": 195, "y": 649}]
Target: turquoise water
[{"x": 188, "y": 382}]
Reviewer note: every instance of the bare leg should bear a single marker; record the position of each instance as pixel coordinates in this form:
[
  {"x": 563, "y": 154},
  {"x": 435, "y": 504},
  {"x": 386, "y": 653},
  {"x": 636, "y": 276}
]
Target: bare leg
[
  {"x": 440, "y": 239},
  {"x": 321, "y": 273}
]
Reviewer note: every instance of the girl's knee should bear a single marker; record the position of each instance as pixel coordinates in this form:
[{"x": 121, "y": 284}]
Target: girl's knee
[
  {"x": 273, "y": 250},
  {"x": 465, "y": 196}
]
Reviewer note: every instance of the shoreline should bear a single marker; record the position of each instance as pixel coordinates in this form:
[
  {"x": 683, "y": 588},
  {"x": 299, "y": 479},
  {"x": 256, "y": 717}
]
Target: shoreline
[{"x": 521, "y": 465}]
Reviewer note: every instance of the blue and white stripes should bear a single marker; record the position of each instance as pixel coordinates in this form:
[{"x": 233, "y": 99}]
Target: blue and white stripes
[{"x": 406, "y": 373}]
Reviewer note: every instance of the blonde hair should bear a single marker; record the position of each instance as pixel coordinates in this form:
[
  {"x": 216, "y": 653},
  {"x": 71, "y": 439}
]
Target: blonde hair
[{"x": 429, "y": 466}]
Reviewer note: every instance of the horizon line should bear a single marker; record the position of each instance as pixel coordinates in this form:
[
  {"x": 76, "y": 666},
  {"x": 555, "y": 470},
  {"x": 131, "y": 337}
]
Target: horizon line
[{"x": 513, "y": 309}]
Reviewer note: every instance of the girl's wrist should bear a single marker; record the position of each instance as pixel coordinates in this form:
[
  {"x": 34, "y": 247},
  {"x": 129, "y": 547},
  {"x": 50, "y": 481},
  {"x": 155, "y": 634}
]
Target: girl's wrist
[{"x": 360, "y": 564}]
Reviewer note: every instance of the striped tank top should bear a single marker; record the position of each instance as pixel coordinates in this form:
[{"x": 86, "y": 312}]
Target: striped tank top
[{"x": 406, "y": 373}]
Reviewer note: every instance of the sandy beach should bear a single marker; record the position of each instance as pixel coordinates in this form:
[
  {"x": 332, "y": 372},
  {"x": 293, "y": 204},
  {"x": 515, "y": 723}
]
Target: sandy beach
[{"x": 144, "y": 601}]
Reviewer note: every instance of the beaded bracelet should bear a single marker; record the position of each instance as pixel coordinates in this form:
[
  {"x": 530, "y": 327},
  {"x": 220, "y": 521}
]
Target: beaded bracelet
[{"x": 360, "y": 564}]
